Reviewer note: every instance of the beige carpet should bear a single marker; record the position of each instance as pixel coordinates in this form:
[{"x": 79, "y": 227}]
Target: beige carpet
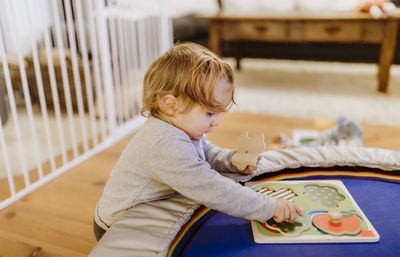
[
  {"x": 286, "y": 88},
  {"x": 317, "y": 89}
]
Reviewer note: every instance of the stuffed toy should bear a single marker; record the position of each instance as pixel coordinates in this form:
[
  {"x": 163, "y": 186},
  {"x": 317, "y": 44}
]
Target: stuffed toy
[{"x": 377, "y": 8}]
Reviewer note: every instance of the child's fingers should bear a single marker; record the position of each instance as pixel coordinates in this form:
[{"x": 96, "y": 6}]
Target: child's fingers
[
  {"x": 299, "y": 211},
  {"x": 278, "y": 218},
  {"x": 292, "y": 209},
  {"x": 287, "y": 212},
  {"x": 279, "y": 211},
  {"x": 249, "y": 170}
]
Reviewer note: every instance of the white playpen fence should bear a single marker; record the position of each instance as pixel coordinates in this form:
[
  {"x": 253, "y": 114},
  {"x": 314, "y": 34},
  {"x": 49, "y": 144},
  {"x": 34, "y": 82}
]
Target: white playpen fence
[{"x": 71, "y": 75}]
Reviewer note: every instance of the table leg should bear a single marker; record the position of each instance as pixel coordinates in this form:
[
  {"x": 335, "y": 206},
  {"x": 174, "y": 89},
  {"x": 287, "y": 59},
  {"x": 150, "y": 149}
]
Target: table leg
[
  {"x": 387, "y": 54},
  {"x": 238, "y": 53},
  {"x": 214, "y": 38}
]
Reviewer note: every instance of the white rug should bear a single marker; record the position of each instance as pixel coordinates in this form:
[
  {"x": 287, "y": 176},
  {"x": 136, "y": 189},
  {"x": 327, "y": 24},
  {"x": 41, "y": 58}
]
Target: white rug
[
  {"x": 279, "y": 87},
  {"x": 317, "y": 89},
  {"x": 29, "y": 155}
]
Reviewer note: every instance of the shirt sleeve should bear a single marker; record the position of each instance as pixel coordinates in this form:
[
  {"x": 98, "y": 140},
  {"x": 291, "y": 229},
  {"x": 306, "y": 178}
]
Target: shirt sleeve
[
  {"x": 218, "y": 158},
  {"x": 177, "y": 165}
]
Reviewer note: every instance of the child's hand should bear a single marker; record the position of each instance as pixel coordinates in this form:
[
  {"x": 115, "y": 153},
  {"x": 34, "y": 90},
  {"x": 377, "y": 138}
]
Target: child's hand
[
  {"x": 251, "y": 168},
  {"x": 286, "y": 211}
]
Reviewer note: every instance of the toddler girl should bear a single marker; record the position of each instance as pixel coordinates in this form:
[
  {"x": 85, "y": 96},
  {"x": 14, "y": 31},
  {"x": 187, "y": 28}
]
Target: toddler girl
[{"x": 184, "y": 92}]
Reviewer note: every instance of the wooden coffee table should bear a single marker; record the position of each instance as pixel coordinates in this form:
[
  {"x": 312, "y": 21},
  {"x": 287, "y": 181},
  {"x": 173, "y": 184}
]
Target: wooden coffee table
[{"x": 340, "y": 27}]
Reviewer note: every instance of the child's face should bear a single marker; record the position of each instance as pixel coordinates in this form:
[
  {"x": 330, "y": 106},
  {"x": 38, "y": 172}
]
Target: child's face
[{"x": 197, "y": 121}]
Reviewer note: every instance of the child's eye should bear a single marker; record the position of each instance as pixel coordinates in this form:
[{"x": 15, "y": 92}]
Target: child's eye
[{"x": 210, "y": 113}]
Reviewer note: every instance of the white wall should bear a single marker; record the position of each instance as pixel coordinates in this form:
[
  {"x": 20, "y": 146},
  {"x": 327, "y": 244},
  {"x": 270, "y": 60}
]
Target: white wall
[{"x": 22, "y": 20}]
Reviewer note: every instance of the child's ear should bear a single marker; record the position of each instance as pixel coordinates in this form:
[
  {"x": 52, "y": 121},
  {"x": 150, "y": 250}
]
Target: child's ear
[{"x": 169, "y": 104}]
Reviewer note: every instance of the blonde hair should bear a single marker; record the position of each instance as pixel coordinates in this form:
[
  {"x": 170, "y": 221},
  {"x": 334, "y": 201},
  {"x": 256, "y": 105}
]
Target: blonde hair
[{"x": 190, "y": 73}]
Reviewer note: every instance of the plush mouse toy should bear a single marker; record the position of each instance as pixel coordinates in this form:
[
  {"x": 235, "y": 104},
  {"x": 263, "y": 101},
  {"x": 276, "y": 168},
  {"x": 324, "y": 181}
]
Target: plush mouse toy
[{"x": 377, "y": 8}]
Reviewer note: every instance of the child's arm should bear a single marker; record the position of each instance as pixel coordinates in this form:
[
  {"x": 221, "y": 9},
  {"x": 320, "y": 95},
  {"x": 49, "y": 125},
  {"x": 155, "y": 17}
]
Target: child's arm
[
  {"x": 177, "y": 165},
  {"x": 218, "y": 158},
  {"x": 244, "y": 159}
]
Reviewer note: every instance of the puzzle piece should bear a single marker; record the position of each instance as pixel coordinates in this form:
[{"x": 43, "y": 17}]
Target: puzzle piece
[
  {"x": 288, "y": 229},
  {"x": 284, "y": 193},
  {"x": 324, "y": 195},
  {"x": 324, "y": 219},
  {"x": 347, "y": 224},
  {"x": 248, "y": 150}
]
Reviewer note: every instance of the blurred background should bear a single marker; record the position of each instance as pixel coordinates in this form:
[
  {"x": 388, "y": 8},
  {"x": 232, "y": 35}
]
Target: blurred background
[{"x": 71, "y": 77}]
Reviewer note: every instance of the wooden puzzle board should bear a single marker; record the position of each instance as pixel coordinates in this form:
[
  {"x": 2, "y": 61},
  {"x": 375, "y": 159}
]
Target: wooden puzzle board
[{"x": 316, "y": 198}]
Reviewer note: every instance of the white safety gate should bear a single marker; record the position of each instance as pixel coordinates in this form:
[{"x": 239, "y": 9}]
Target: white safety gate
[{"x": 71, "y": 75}]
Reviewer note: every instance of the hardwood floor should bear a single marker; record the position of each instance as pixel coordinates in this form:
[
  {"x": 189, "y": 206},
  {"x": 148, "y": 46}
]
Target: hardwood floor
[{"x": 56, "y": 219}]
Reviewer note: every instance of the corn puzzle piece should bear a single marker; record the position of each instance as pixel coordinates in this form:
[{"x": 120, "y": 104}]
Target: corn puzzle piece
[{"x": 248, "y": 150}]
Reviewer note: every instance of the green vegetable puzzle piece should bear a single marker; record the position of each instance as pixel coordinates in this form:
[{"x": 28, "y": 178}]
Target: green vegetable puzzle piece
[{"x": 288, "y": 229}]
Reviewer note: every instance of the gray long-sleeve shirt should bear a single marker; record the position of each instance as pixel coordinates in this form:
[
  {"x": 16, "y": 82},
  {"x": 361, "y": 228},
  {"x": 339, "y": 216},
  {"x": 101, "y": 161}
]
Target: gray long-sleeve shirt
[{"x": 161, "y": 160}]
